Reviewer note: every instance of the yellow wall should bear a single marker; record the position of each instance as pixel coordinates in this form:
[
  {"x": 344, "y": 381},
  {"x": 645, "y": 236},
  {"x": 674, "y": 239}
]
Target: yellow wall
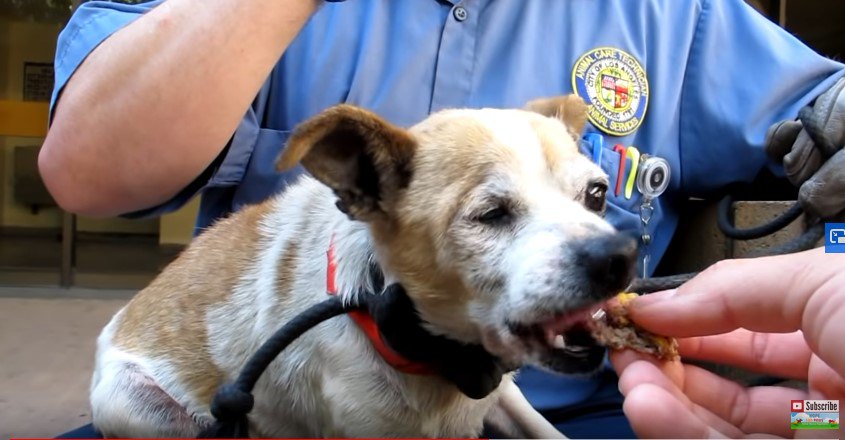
[
  {"x": 20, "y": 42},
  {"x": 36, "y": 42},
  {"x": 4, "y": 67},
  {"x": 178, "y": 227},
  {"x": 5, "y": 45}
]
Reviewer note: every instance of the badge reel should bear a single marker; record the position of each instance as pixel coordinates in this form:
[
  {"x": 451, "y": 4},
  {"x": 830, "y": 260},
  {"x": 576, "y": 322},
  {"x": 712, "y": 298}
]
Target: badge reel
[{"x": 652, "y": 181}]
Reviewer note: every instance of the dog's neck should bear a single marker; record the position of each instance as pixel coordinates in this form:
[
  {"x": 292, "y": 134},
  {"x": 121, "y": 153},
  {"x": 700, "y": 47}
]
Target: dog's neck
[
  {"x": 353, "y": 271},
  {"x": 379, "y": 308},
  {"x": 355, "y": 261}
]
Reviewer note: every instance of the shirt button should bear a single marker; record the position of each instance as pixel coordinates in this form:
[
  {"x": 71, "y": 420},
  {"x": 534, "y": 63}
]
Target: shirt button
[{"x": 460, "y": 13}]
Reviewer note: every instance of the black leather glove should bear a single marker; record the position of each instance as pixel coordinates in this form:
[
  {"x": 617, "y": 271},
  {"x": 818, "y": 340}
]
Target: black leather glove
[{"x": 812, "y": 154}]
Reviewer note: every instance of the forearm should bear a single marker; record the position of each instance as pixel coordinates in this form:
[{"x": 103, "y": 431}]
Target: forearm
[{"x": 155, "y": 103}]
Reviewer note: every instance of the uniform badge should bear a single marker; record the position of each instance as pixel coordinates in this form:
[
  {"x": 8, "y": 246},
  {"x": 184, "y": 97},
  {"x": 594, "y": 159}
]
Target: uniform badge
[{"x": 615, "y": 86}]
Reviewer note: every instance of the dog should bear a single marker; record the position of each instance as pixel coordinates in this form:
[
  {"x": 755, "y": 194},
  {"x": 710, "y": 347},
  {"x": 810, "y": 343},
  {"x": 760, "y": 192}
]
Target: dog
[{"x": 491, "y": 219}]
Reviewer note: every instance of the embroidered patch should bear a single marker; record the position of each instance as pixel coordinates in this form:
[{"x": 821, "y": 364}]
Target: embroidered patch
[{"x": 615, "y": 86}]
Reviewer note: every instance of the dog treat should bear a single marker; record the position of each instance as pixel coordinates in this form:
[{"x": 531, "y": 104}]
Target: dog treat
[{"x": 611, "y": 327}]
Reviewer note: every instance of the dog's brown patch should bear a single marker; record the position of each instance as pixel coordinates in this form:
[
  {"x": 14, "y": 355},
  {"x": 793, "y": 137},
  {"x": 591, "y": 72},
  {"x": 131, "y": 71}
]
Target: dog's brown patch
[
  {"x": 287, "y": 270},
  {"x": 455, "y": 154},
  {"x": 199, "y": 279},
  {"x": 569, "y": 109},
  {"x": 555, "y": 141}
]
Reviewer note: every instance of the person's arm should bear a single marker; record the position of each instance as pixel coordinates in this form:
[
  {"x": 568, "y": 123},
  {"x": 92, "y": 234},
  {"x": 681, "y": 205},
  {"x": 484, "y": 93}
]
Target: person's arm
[{"x": 153, "y": 105}]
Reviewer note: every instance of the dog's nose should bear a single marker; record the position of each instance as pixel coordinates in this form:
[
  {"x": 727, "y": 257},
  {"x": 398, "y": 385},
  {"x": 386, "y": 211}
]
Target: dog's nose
[{"x": 609, "y": 261}]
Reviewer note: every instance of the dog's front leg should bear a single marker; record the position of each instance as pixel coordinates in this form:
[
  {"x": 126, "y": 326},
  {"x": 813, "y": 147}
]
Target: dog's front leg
[{"x": 514, "y": 417}]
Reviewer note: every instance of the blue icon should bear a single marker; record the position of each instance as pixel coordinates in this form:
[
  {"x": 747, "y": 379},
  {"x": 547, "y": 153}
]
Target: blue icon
[{"x": 834, "y": 238}]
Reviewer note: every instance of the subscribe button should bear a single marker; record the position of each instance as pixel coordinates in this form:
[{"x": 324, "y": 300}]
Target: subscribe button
[{"x": 814, "y": 414}]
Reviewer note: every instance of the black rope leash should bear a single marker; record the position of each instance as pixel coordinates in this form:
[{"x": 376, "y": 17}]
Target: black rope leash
[
  {"x": 807, "y": 240},
  {"x": 731, "y": 231},
  {"x": 469, "y": 367},
  {"x": 233, "y": 401}
]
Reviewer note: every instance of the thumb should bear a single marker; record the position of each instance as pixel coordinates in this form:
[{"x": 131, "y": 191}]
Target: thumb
[
  {"x": 803, "y": 160},
  {"x": 780, "y": 137},
  {"x": 823, "y": 195}
]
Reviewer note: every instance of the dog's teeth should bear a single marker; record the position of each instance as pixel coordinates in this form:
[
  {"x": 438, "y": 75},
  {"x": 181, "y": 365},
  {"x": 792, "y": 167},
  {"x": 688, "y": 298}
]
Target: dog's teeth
[
  {"x": 599, "y": 314},
  {"x": 559, "y": 342}
]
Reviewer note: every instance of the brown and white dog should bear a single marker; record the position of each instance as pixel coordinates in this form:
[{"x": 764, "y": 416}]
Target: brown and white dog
[{"x": 490, "y": 219}]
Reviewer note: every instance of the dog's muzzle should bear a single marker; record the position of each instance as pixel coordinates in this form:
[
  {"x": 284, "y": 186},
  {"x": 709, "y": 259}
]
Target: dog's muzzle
[{"x": 560, "y": 338}]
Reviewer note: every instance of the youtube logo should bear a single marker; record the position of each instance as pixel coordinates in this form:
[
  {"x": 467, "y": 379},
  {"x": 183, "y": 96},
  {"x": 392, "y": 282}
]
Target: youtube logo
[{"x": 797, "y": 406}]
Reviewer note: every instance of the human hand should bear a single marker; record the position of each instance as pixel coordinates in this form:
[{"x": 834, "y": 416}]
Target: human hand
[
  {"x": 783, "y": 316},
  {"x": 812, "y": 157}
]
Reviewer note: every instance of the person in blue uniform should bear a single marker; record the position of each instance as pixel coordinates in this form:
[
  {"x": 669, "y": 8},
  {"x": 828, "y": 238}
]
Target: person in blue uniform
[{"x": 159, "y": 102}]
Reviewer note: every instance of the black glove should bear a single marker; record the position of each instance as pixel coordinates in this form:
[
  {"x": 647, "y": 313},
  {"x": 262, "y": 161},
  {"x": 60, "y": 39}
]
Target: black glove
[{"x": 812, "y": 155}]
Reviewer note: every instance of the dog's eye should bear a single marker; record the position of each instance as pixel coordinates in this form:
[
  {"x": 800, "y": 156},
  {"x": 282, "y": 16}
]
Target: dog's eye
[
  {"x": 594, "y": 199},
  {"x": 494, "y": 216}
]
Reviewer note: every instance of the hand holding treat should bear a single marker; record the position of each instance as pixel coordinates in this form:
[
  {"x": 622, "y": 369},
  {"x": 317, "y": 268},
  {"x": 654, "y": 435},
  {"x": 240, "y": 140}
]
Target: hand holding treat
[{"x": 782, "y": 316}]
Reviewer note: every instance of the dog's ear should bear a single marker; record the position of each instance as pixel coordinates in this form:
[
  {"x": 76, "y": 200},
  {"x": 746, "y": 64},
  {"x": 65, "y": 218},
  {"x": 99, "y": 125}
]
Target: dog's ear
[
  {"x": 360, "y": 156},
  {"x": 570, "y": 109}
]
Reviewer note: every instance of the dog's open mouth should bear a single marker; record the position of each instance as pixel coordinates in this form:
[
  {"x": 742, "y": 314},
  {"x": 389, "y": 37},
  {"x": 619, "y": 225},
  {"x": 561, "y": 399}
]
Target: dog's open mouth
[{"x": 563, "y": 342}]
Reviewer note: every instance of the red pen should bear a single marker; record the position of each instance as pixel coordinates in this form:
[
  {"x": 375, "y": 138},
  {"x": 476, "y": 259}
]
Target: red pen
[{"x": 619, "y": 148}]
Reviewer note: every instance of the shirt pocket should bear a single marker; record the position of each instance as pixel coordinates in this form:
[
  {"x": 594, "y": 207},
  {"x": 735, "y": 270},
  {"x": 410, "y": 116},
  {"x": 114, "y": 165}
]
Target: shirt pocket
[
  {"x": 622, "y": 212},
  {"x": 624, "y": 178},
  {"x": 259, "y": 178}
]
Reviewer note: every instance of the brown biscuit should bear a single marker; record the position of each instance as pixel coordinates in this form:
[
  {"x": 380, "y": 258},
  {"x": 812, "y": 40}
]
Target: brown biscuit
[{"x": 612, "y": 328}]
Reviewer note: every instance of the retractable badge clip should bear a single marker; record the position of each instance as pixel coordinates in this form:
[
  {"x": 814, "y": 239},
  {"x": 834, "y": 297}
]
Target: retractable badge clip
[{"x": 652, "y": 181}]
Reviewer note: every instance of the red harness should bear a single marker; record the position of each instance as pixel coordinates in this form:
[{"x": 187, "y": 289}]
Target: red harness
[{"x": 368, "y": 325}]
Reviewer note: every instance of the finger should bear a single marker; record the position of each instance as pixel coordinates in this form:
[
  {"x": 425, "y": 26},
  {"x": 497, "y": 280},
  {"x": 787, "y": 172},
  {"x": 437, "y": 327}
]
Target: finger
[
  {"x": 783, "y": 355},
  {"x": 803, "y": 160},
  {"x": 823, "y": 195},
  {"x": 752, "y": 410},
  {"x": 647, "y": 372},
  {"x": 770, "y": 294},
  {"x": 824, "y": 382},
  {"x": 720, "y": 403},
  {"x": 622, "y": 359},
  {"x": 657, "y": 413},
  {"x": 780, "y": 138}
]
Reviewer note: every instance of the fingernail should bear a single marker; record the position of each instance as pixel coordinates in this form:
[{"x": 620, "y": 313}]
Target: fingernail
[{"x": 652, "y": 298}]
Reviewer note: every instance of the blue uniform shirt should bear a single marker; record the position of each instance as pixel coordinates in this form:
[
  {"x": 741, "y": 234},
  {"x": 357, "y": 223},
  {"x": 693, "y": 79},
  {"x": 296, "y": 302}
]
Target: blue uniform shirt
[{"x": 696, "y": 82}]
